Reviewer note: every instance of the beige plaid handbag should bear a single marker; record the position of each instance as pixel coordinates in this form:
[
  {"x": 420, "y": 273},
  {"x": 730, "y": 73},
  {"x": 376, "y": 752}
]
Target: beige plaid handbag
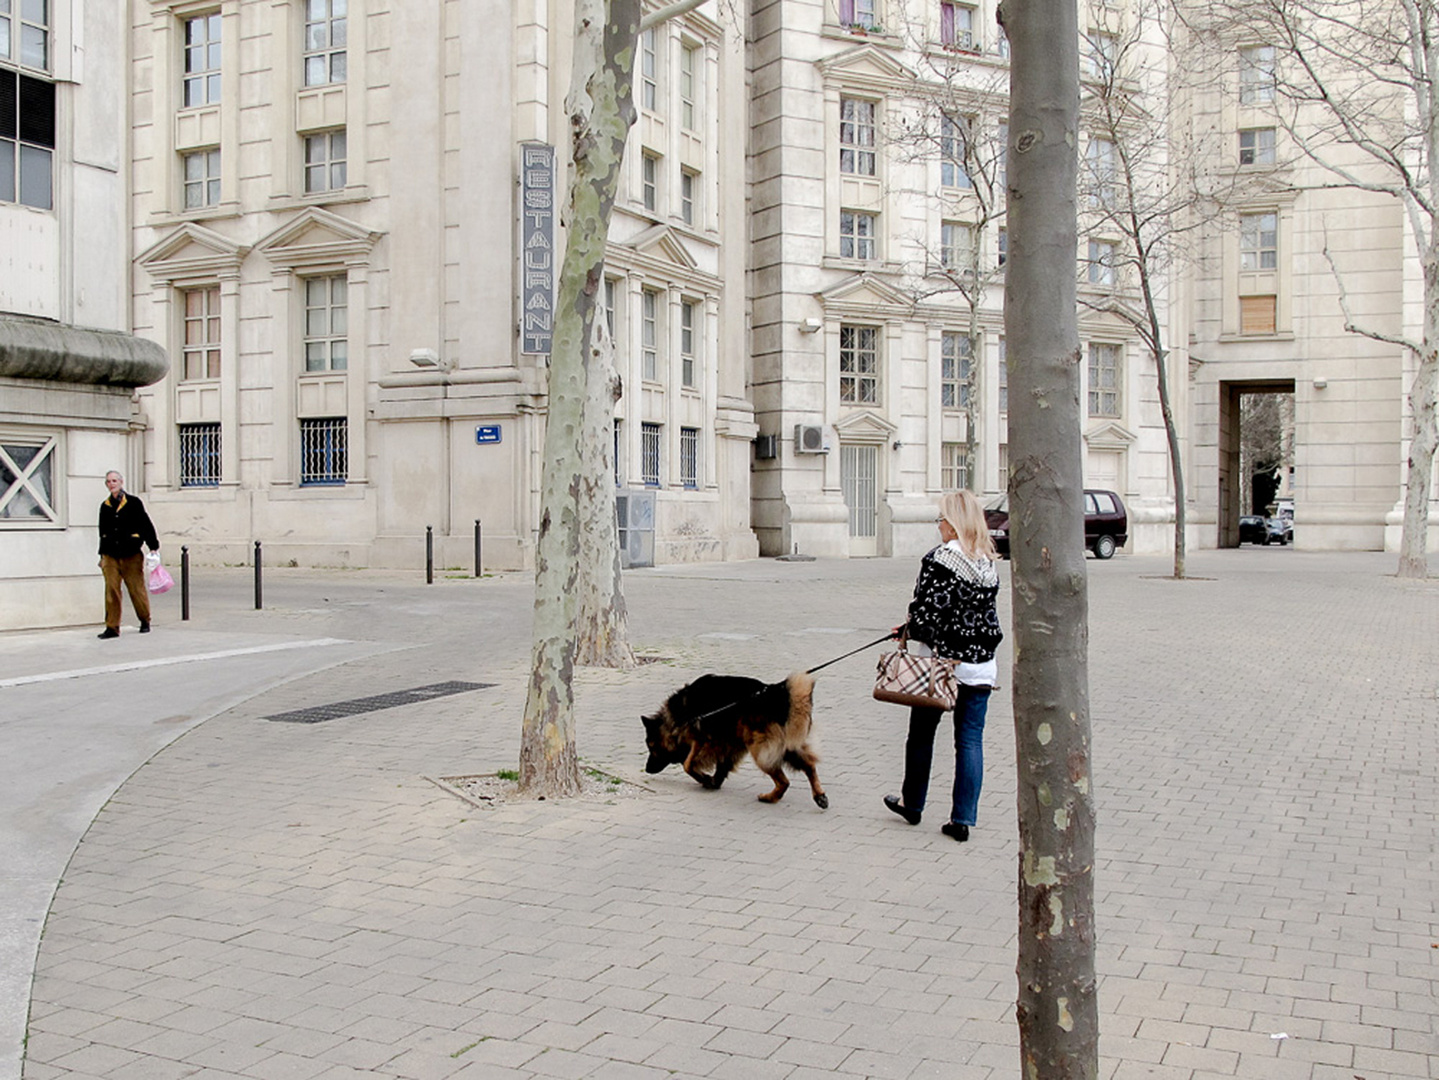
[{"x": 925, "y": 681}]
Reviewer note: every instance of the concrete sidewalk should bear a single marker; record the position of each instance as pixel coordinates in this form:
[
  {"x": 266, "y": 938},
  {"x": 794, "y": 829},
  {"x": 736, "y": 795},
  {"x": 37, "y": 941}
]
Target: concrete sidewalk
[{"x": 276, "y": 900}]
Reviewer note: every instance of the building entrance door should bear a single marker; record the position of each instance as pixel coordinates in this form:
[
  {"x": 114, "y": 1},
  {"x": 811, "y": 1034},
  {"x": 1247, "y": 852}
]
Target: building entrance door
[{"x": 858, "y": 478}]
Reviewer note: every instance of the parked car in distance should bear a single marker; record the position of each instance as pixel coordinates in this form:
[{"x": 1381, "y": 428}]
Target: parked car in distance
[
  {"x": 1106, "y": 523},
  {"x": 1253, "y": 529},
  {"x": 1278, "y": 530}
]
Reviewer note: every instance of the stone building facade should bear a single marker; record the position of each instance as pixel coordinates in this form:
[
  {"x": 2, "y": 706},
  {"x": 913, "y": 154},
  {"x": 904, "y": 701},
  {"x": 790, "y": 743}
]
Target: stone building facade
[
  {"x": 327, "y": 238},
  {"x": 67, "y": 366}
]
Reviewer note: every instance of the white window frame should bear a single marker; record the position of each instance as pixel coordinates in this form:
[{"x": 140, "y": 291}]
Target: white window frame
[
  {"x": 29, "y": 152},
  {"x": 1257, "y": 74},
  {"x": 1258, "y": 246},
  {"x": 323, "y": 24},
  {"x": 858, "y": 136},
  {"x": 859, "y": 364},
  {"x": 1261, "y": 150},
  {"x": 858, "y": 235},
  {"x": 689, "y": 196},
  {"x": 207, "y": 328},
  {"x": 956, "y": 370},
  {"x": 202, "y": 85},
  {"x": 1106, "y": 400},
  {"x": 200, "y": 170},
  {"x": 649, "y": 334},
  {"x": 23, "y": 34},
  {"x": 956, "y": 246},
  {"x": 1101, "y": 157},
  {"x": 650, "y": 181},
  {"x": 689, "y": 368},
  {"x": 690, "y": 86},
  {"x": 954, "y": 135},
  {"x": 325, "y": 327},
  {"x": 953, "y": 468},
  {"x": 649, "y": 70},
  {"x": 330, "y": 172},
  {"x": 25, "y": 480},
  {"x": 1099, "y": 55},
  {"x": 1101, "y": 270}
]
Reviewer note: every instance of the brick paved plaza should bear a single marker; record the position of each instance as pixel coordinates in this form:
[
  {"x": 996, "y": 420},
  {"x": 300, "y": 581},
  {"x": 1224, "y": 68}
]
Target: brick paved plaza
[{"x": 283, "y": 901}]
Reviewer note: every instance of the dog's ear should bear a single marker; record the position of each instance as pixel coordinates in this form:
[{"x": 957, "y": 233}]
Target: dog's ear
[{"x": 650, "y": 722}]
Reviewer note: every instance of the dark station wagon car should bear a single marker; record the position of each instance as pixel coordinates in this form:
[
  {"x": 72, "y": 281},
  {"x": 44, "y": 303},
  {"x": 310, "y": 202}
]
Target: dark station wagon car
[{"x": 1106, "y": 523}]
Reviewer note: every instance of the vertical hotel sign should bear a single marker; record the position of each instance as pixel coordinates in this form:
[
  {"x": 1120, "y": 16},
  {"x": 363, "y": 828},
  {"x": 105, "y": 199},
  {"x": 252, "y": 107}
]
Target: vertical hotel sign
[{"x": 537, "y": 247}]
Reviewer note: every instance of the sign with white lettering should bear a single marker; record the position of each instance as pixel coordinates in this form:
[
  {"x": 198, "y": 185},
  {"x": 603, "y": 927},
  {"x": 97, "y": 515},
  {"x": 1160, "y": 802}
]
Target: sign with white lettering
[
  {"x": 487, "y": 433},
  {"x": 537, "y": 247}
]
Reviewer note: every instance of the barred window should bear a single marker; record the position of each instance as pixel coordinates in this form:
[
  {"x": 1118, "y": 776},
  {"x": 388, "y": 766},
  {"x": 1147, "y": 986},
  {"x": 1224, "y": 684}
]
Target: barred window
[
  {"x": 27, "y": 139},
  {"x": 25, "y": 32},
  {"x": 202, "y": 60},
  {"x": 689, "y": 456},
  {"x": 202, "y": 178},
  {"x": 327, "y": 342},
  {"x": 326, "y": 33},
  {"x": 324, "y": 450},
  {"x": 199, "y": 455},
  {"x": 200, "y": 354},
  {"x": 325, "y": 161},
  {"x": 856, "y": 136},
  {"x": 1104, "y": 380},
  {"x": 27, "y": 481},
  {"x": 650, "y": 455},
  {"x": 859, "y": 365},
  {"x": 956, "y": 370},
  {"x": 687, "y": 344}
]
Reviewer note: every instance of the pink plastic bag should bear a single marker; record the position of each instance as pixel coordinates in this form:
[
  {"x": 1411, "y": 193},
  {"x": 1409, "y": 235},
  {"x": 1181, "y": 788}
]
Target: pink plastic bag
[{"x": 160, "y": 579}]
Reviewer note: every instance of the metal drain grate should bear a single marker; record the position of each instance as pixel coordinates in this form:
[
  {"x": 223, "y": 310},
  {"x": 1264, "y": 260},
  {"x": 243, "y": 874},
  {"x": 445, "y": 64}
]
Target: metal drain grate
[{"x": 337, "y": 709}]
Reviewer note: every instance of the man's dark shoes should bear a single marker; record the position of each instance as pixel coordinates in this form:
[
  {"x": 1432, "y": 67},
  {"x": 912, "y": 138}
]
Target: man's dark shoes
[
  {"x": 911, "y": 816},
  {"x": 144, "y": 628},
  {"x": 110, "y": 632},
  {"x": 955, "y": 831}
]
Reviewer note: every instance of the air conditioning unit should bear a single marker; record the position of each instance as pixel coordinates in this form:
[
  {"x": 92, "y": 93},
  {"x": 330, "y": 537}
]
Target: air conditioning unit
[{"x": 809, "y": 439}]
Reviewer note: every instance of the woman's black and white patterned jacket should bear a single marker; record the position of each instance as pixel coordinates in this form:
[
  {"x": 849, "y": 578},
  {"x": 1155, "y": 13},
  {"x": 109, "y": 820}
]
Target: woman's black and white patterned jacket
[{"x": 953, "y": 608}]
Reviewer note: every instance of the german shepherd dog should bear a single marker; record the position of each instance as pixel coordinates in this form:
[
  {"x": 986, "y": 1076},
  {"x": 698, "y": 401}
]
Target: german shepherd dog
[{"x": 708, "y": 726}]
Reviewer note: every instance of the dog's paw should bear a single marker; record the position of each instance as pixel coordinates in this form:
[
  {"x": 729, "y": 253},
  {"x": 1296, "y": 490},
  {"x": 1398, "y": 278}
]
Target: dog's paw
[
  {"x": 822, "y": 801},
  {"x": 707, "y": 782}
]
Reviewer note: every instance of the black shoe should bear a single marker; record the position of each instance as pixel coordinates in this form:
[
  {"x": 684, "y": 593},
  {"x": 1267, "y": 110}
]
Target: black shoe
[
  {"x": 110, "y": 632},
  {"x": 955, "y": 831},
  {"x": 144, "y": 628},
  {"x": 911, "y": 816}
]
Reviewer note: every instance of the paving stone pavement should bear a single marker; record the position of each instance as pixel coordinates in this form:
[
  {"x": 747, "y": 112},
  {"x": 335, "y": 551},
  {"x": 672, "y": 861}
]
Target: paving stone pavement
[{"x": 282, "y": 901}]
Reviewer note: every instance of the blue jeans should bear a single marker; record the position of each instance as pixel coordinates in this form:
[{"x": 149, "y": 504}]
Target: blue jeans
[{"x": 969, "y": 713}]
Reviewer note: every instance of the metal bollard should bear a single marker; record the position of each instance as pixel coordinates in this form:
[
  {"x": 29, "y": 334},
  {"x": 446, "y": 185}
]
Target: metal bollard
[
  {"x": 184, "y": 584},
  {"x": 477, "y": 547},
  {"x": 429, "y": 554},
  {"x": 259, "y": 579}
]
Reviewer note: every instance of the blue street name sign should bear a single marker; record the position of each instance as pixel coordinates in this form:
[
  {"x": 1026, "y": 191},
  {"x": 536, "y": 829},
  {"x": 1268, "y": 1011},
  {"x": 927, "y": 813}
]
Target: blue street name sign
[{"x": 487, "y": 433}]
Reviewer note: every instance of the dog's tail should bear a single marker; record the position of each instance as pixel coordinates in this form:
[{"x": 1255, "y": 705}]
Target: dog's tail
[{"x": 800, "y": 686}]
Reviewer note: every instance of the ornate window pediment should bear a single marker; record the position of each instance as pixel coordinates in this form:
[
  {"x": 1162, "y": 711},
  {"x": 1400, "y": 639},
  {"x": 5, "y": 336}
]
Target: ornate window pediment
[
  {"x": 1109, "y": 436},
  {"x": 317, "y": 237},
  {"x": 192, "y": 251},
  {"x": 865, "y": 427}
]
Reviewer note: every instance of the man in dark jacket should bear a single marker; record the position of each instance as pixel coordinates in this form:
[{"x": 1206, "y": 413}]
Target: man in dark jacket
[{"x": 124, "y": 527}]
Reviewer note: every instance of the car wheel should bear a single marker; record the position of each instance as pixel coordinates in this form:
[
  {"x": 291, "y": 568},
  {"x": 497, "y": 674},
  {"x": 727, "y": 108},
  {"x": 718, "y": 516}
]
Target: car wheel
[{"x": 1104, "y": 547}]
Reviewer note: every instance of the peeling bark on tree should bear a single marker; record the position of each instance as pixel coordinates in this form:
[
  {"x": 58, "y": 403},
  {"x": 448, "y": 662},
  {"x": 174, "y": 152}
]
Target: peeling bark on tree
[
  {"x": 1057, "y": 1005},
  {"x": 601, "y": 110}
]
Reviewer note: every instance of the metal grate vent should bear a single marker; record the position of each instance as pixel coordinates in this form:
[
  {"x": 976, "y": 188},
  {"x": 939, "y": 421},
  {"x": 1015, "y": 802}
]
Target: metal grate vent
[{"x": 337, "y": 709}]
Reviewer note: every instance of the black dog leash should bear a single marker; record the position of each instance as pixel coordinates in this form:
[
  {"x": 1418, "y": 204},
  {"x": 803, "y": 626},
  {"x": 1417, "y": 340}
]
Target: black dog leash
[{"x": 770, "y": 686}]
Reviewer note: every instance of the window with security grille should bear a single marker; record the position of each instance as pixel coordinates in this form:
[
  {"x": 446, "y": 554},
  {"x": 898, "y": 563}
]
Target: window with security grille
[
  {"x": 649, "y": 335},
  {"x": 859, "y": 365},
  {"x": 1258, "y": 241},
  {"x": 856, "y": 136},
  {"x": 200, "y": 353},
  {"x": 1256, "y": 146},
  {"x": 202, "y": 178},
  {"x": 199, "y": 455},
  {"x": 27, "y": 139},
  {"x": 953, "y": 466},
  {"x": 327, "y": 342},
  {"x": 956, "y": 356},
  {"x": 202, "y": 60},
  {"x": 326, "y": 36},
  {"x": 650, "y": 455},
  {"x": 324, "y": 450},
  {"x": 954, "y": 151},
  {"x": 325, "y": 162},
  {"x": 27, "y": 481},
  {"x": 1104, "y": 379},
  {"x": 689, "y": 457},
  {"x": 687, "y": 344},
  {"x": 25, "y": 32},
  {"x": 857, "y": 235}
]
